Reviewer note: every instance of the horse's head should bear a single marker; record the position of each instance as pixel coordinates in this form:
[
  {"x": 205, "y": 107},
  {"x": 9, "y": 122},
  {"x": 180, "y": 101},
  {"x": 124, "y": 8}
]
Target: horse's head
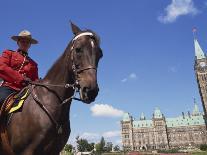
[{"x": 85, "y": 55}]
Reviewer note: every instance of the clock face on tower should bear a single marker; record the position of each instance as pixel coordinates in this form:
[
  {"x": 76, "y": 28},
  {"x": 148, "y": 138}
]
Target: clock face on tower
[{"x": 202, "y": 64}]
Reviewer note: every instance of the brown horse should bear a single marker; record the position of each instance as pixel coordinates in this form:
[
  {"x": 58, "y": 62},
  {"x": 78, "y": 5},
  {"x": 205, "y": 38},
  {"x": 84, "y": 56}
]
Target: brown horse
[{"x": 43, "y": 125}]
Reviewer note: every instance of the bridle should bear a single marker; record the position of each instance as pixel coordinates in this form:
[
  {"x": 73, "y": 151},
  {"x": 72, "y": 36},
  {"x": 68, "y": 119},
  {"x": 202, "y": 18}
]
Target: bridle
[
  {"x": 74, "y": 86},
  {"x": 76, "y": 71}
]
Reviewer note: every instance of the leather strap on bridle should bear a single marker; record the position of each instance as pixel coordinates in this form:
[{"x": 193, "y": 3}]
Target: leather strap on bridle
[{"x": 74, "y": 86}]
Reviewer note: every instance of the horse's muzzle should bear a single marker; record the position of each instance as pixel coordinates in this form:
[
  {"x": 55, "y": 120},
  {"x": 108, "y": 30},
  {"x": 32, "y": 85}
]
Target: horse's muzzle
[{"x": 88, "y": 95}]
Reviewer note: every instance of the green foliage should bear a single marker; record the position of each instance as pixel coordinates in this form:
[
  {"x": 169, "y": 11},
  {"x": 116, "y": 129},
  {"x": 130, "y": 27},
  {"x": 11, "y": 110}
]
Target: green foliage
[
  {"x": 100, "y": 146},
  {"x": 83, "y": 145},
  {"x": 199, "y": 153},
  {"x": 203, "y": 147},
  {"x": 116, "y": 148},
  {"x": 169, "y": 151},
  {"x": 108, "y": 147},
  {"x": 68, "y": 148}
]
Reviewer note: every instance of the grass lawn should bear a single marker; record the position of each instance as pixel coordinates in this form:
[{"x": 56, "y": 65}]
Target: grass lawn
[
  {"x": 199, "y": 153},
  {"x": 195, "y": 153}
]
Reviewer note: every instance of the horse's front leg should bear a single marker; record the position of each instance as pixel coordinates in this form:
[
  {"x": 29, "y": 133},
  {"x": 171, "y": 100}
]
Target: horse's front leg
[{"x": 34, "y": 148}]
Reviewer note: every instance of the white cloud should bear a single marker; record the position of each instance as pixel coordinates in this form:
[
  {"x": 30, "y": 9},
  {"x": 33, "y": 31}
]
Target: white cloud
[
  {"x": 124, "y": 80},
  {"x": 130, "y": 77},
  {"x": 178, "y": 8},
  {"x": 110, "y": 134},
  {"x": 105, "y": 110},
  {"x": 90, "y": 136}
]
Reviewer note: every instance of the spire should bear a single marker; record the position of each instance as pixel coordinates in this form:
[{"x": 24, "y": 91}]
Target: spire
[
  {"x": 142, "y": 117},
  {"x": 198, "y": 50},
  {"x": 195, "y": 109},
  {"x": 157, "y": 113}
]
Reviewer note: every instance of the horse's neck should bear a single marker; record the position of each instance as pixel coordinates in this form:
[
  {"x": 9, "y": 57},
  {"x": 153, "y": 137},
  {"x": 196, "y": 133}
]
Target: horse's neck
[{"x": 60, "y": 74}]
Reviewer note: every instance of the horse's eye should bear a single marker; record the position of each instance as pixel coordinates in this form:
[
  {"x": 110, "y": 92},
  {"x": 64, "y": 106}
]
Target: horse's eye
[{"x": 78, "y": 50}]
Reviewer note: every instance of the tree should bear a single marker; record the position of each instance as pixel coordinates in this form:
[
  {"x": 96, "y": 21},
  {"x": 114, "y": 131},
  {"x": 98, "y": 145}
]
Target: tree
[
  {"x": 100, "y": 146},
  {"x": 83, "y": 145},
  {"x": 116, "y": 148},
  {"x": 91, "y": 146},
  {"x": 68, "y": 148},
  {"x": 109, "y": 146},
  {"x": 203, "y": 147}
]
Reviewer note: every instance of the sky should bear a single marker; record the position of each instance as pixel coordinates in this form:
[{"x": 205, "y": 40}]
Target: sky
[{"x": 148, "y": 54}]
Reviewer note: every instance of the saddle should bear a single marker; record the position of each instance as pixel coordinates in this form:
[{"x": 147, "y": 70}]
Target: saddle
[{"x": 13, "y": 103}]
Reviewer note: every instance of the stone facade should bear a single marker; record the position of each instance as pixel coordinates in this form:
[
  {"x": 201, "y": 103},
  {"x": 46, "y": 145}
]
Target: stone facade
[{"x": 187, "y": 130}]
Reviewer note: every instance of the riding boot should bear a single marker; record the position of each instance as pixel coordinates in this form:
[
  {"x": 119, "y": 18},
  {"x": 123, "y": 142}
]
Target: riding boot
[{"x": 4, "y": 93}]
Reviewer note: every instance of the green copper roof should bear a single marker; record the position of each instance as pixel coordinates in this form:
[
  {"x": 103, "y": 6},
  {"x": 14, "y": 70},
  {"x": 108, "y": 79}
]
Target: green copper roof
[
  {"x": 142, "y": 123},
  {"x": 185, "y": 121},
  {"x": 157, "y": 113},
  {"x": 126, "y": 117},
  {"x": 198, "y": 50},
  {"x": 196, "y": 118}
]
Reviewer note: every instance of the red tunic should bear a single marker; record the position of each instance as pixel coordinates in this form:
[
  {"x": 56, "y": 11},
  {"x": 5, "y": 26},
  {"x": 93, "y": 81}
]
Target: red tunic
[{"x": 12, "y": 69}]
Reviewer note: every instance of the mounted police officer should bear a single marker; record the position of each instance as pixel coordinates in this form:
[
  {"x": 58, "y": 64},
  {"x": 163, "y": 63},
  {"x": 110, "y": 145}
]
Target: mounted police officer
[{"x": 16, "y": 67}]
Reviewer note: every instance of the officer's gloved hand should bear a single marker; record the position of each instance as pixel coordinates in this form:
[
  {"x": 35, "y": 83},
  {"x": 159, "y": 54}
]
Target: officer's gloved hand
[{"x": 26, "y": 80}]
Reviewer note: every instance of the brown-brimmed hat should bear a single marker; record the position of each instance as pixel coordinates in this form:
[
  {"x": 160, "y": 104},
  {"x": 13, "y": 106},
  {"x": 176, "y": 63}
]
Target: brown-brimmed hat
[{"x": 25, "y": 35}]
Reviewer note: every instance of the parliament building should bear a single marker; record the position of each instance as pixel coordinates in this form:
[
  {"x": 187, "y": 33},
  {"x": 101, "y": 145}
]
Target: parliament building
[{"x": 185, "y": 131}]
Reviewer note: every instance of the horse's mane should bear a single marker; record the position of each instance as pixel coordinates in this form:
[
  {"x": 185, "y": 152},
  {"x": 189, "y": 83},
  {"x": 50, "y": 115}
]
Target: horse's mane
[{"x": 55, "y": 67}]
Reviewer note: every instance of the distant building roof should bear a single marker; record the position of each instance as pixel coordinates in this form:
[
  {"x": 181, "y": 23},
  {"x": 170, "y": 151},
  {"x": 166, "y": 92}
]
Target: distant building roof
[
  {"x": 126, "y": 117},
  {"x": 142, "y": 123},
  {"x": 185, "y": 121},
  {"x": 157, "y": 113},
  {"x": 196, "y": 118}
]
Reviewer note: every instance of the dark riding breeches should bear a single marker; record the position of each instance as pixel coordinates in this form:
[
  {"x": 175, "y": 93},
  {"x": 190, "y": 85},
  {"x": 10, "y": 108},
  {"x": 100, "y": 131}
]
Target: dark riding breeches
[{"x": 4, "y": 93}]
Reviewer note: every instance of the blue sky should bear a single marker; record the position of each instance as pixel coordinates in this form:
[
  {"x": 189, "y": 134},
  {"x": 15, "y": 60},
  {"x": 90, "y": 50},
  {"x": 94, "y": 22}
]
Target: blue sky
[{"x": 148, "y": 54}]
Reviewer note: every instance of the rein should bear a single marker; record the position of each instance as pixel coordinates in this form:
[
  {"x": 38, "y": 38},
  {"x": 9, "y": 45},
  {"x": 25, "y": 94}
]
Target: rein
[{"x": 76, "y": 72}]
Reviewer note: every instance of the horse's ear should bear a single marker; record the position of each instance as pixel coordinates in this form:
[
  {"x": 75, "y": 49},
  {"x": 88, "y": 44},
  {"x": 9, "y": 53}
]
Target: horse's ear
[{"x": 75, "y": 28}]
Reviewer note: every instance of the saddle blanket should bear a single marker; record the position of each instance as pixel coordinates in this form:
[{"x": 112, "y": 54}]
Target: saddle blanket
[{"x": 15, "y": 102}]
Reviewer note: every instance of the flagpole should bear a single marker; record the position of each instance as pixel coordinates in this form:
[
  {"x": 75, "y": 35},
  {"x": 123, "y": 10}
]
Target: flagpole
[{"x": 194, "y": 32}]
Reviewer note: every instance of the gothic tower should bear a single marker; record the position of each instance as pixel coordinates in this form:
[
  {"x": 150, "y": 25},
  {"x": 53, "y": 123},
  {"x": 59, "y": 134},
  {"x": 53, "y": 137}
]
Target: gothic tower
[
  {"x": 127, "y": 132},
  {"x": 200, "y": 68}
]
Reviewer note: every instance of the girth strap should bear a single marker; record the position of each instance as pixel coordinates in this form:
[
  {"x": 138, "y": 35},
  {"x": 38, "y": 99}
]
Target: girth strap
[{"x": 34, "y": 95}]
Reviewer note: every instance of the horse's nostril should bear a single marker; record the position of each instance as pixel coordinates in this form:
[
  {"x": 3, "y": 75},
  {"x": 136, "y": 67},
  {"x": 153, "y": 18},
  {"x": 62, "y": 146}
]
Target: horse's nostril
[
  {"x": 90, "y": 93},
  {"x": 86, "y": 89}
]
